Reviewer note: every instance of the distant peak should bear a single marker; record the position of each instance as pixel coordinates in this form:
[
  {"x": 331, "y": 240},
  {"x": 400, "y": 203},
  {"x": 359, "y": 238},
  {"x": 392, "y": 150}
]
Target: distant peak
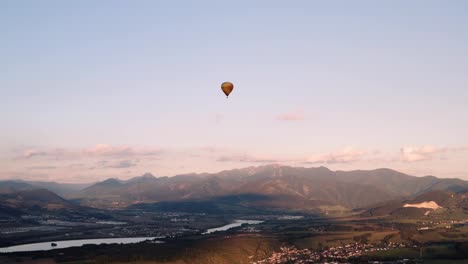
[
  {"x": 147, "y": 175},
  {"x": 144, "y": 177},
  {"x": 111, "y": 181}
]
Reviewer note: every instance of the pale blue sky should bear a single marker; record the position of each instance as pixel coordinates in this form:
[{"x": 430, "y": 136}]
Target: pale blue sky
[{"x": 371, "y": 76}]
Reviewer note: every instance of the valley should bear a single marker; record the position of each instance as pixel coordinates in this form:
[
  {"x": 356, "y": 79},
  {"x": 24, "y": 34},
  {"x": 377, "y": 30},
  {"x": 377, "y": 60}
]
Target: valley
[{"x": 293, "y": 213}]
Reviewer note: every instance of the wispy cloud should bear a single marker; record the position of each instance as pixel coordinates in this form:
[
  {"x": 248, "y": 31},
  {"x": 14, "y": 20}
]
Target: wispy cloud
[
  {"x": 346, "y": 155},
  {"x": 113, "y": 164},
  {"x": 122, "y": 164},
  {"x": 428, "y": 152},
  {"x": 42, "y": 168},
  {"x": 29, "y": 153},
  {"x": 109, "y": 150},
  {"x": 104, "y": 160},
  {"x": 99, "y": 150},
  {"x": 297, "y": 115},
  {"x": 411, "y": 154},
  {"x": 211, "y": 149},
  {"x": 246, "y": 158}
]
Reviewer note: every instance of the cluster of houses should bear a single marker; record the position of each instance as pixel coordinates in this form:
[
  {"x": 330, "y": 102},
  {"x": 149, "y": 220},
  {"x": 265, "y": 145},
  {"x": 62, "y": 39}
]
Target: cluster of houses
[
  {"x": 447, "y": 224},
  {"x": 291, "y": 254}
]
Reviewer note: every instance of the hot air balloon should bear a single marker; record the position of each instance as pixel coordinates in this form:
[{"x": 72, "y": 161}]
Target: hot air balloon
[{"x": 227, "y": 88}]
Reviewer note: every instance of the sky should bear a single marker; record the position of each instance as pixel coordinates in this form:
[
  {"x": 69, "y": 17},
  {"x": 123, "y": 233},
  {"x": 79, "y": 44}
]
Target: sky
[{"x": 97, "y": 89}]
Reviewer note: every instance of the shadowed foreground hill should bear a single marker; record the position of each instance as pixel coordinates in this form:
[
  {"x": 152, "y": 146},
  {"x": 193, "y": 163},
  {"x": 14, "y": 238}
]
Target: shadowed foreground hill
[
  {"x": 34, "y": 199},
  {"x": 61, "y": 189},
  {"x": 286, "y": 188}
]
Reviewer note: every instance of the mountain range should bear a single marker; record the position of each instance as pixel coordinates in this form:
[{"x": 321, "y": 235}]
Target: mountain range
[{"x": 271, "y": 187}]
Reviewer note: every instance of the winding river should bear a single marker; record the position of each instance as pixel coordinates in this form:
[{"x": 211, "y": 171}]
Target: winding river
[
  {"x": 125, "y": 240},
  {"x": 234, "y": 224},
  {"x": 72, "y": 243}
]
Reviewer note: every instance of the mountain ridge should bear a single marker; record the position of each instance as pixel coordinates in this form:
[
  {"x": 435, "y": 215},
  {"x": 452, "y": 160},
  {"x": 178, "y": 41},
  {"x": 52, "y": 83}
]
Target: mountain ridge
[{"x": 350, "y": 189}]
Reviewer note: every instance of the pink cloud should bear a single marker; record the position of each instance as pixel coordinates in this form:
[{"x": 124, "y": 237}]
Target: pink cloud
[
  {"x": 411, "y": 154},
  {"x": 108, "y": 150},
  {"x": 46, "y": 153},
  {"x": 29, "y": 153},
  {"x": 297, "y": 115},
  {"x": 104, "y": 150},
  {"x": 99, "y": 150},
  {"x": 122, "y": 164},
  {"x": 246, "y": 158},
  {"x": 42, "y": 168},
  {"x": 346, "y": 155},
  {"x": 212, "y": 149}
]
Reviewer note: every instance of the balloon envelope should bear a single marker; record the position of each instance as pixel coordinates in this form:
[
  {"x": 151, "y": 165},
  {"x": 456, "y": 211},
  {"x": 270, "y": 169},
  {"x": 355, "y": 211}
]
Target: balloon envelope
[{"x": 227, "y": 87}]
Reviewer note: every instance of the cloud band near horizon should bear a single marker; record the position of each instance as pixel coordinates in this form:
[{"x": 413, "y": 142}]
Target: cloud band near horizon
[{"x": 103, "y": 160}]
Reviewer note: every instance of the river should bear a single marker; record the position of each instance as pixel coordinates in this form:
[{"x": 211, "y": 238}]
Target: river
[
  {"x": 98, "y": 241},
  {"x": 236, "y": 223},
  {"x": 72, "y": 243}
]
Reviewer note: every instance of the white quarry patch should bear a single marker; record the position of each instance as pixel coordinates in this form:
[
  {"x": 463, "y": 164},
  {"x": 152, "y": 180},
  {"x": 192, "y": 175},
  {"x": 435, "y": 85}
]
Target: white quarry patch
[{"x": 428, "y": 205}]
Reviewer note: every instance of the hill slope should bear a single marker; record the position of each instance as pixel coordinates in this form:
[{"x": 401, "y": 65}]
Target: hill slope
[
  {"x": 35, "y": 198},
  {"x": 426, "y": 204},
  {"x": 62, "y": 189}
]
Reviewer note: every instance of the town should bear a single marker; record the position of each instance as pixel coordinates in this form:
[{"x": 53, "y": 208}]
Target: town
[{"x": 291, "y": 254}]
